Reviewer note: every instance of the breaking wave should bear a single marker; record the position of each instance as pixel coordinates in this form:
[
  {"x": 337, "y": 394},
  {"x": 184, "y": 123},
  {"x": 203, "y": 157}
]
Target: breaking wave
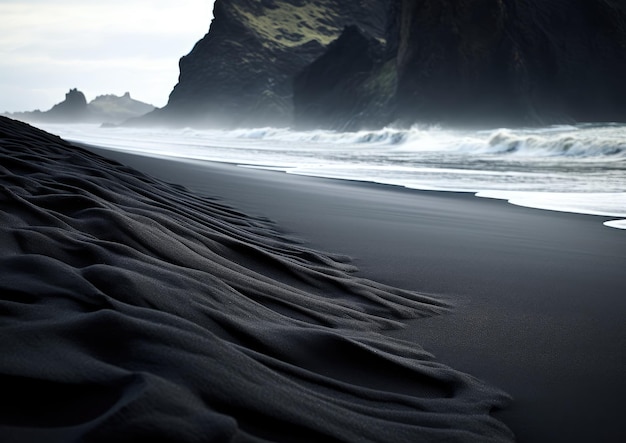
[
  {"x": 384, "y": 136},
  {"x": 569, "y": 141}
]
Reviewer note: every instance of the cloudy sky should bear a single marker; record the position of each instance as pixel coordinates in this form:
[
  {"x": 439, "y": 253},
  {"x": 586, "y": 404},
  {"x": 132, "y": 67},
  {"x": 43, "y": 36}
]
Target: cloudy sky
[{"x": 99, "y": 47}]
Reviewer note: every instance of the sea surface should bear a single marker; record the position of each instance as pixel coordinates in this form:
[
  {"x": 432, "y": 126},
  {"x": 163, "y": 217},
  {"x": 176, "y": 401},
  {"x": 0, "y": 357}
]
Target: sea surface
[{"x": 580, "y": 169}]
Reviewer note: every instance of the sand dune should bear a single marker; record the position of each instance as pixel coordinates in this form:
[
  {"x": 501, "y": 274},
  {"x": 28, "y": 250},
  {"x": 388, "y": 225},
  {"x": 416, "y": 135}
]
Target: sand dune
[{"x": 133, "y": 309}]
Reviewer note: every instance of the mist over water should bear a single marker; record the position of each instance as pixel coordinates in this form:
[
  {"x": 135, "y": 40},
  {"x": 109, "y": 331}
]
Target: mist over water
[{"x": 579, "y": 169}]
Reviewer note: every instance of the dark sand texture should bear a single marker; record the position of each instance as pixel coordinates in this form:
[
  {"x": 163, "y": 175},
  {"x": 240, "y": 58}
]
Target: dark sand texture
[
  {"x": 134, "y": 310},
  {"x": 539, "y": 297}
]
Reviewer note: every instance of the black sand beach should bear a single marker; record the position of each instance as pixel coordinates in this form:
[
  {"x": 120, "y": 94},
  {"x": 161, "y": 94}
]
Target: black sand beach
[
  {"x": 133, "y": 309},
  {"x": 539, "y": 297}
]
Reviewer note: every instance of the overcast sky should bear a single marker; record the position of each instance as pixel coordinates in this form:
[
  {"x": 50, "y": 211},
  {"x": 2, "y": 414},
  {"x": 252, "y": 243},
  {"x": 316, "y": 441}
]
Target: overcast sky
[{"x": 99, "y": 47}]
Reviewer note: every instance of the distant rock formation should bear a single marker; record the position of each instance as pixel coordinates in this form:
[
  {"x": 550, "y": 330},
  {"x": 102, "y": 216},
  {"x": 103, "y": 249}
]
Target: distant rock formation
[
  {"x": 350, "y": 65},
  {"x": 74, "y": 107},
  {"x": 109, "y": 109},
  {"x": 117, "y": 109}
]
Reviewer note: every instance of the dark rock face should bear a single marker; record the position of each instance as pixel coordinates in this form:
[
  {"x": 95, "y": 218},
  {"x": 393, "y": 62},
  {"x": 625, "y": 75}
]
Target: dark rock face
[
  {"x": 453, "y": 61},
  {"x": 511, "y": 61},
  {"x": 334, "y": 89},
  {"x": 241, "y": 73}
]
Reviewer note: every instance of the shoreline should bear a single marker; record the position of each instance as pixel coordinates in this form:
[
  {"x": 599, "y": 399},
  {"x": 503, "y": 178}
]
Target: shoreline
[
  {"x": 613, "y": 220},
  {"x": 538, "y": 294}
]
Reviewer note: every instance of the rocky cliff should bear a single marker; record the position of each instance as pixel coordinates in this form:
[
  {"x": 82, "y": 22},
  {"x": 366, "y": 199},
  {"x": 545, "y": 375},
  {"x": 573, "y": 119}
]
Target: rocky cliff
[
  {"x": 370, "y": 63},
  {"x": 241, "y": 72}
]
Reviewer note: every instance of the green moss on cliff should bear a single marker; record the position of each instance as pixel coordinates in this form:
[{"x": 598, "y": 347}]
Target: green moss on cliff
[{"x": 293, "y": 24}]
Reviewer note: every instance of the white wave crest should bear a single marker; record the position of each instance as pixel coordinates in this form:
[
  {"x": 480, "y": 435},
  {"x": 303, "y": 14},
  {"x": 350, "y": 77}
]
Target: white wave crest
[
  {"x": 567, "y": 141},
  {"x": 386, "y": 136},
  {"x": 570, "y": 143}
]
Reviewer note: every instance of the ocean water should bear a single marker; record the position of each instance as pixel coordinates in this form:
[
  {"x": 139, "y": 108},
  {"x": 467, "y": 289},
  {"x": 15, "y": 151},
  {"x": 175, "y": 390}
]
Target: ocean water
[{"x": 580, "y": 169}]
